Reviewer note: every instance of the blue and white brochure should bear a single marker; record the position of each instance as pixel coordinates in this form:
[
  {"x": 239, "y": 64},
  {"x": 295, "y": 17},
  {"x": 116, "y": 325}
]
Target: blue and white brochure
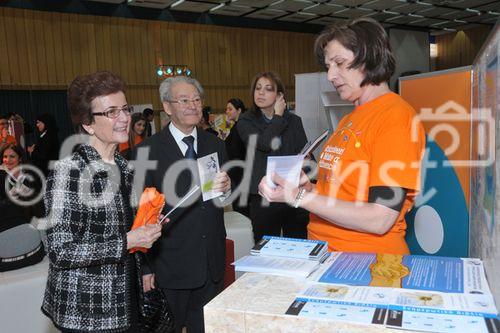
[{"x": 291, "y": 248}]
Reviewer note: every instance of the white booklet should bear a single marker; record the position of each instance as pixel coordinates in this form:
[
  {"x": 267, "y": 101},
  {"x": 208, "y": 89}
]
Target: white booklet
[
  {"x": 276, "y": 265},
  {"x": 287, "y": 167},
  {"x": 208, "y": 167}
]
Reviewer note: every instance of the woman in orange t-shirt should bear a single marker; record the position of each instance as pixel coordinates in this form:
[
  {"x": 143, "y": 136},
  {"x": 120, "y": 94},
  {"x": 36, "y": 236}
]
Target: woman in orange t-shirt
[
  {"x": 369, "y": 169},
  {"x": 135, "y": 135}
]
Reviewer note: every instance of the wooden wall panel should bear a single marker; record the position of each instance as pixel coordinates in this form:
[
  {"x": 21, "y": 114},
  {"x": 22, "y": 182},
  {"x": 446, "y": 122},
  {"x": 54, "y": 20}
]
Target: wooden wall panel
[
  {"x": 4, "y": 58},
  {"x": 47, "y": 50},
  {"x": 460, "y": 48}
]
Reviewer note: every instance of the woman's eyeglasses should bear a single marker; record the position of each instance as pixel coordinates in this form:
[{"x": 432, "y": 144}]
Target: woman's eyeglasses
[{"x": 115, "y": 112}]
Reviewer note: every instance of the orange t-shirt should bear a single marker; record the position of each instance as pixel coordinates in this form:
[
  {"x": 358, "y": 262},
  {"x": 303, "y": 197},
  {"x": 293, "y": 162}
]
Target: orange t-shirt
[
  {"x": 372, "y": 146},
  {"x": 124, "y": 146}
]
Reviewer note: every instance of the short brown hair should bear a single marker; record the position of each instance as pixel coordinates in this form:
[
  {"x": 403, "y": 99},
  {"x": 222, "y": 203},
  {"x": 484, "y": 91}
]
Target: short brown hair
[
  {"x": 17, "y": 149},
  {"x": 84, "y": 89},
  {"x": 275, "y": 80},
  {"x": 369, "y": 42}
]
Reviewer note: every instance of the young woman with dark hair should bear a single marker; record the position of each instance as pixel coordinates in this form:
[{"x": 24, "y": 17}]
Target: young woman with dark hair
[
  {"x": 278, "y": 132},
  {"x": 136, "y": 134}
]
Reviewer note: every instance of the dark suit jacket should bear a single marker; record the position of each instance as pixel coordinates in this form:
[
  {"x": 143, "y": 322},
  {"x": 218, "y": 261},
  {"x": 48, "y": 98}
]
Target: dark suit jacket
[
  {"x": 236, "y": 150},
  {"x": 193, "y": 242},
  {"x": 46, "y": 149}
]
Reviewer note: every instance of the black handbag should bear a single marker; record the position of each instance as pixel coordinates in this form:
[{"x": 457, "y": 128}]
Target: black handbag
[{"x": 155, "y": 314}]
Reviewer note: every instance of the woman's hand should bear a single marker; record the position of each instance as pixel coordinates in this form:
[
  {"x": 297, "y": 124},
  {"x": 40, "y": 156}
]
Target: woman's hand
[
  {"x": 30, "y": 148},
  {"x": 279, "y": 105},
  {"x": 222, "y": 182},
  {"x": 283, "y": 192},
  {"x": 162, "y": 219},
  {"x": 143, "y": 236},
  {"x": 148, "y": 282}
]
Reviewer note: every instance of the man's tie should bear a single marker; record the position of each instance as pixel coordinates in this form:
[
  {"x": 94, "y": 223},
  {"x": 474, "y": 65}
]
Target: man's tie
[{"x": 190, "y": 152}]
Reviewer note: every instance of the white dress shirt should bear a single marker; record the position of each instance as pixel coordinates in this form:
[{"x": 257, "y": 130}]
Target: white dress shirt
[{"x": 179, "y": 135}]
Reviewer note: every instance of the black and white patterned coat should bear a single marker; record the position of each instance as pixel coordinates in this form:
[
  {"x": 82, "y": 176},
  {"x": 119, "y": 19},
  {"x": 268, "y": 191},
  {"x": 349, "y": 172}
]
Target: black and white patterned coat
[{"x": 88, "y": 216}]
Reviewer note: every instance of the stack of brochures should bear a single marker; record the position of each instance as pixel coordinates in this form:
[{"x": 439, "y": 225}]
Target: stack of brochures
[
  {"x": 284, "y": 256},
  {"x": 291, "y": 248}
]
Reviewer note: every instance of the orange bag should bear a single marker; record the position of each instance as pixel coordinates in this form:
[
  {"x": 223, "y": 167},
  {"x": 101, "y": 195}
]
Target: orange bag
[{"x": 150, "y": 207}]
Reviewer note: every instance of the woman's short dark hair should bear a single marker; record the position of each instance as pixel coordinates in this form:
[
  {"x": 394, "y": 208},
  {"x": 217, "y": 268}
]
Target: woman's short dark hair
[
  {"x": 369, "y": 42},
  {"x": 17, "y": 149},
  {"x": 147, "y": 112},
  {"x": 49, "y": 121},
  {"x": 237, "y": 103},
  {"x": 84, "y": 89},
  {"x": 275, "y": 80}
]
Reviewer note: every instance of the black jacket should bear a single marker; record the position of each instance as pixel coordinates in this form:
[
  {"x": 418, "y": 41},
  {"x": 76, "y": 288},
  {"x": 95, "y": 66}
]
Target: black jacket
[
  {"x": 193, "y": 242},
  {"x": 289, "y": 131},
  {"x": 46, "y": 149},
  {"x": 12, "y": 213},
  {"x": 236, "y": 150}
]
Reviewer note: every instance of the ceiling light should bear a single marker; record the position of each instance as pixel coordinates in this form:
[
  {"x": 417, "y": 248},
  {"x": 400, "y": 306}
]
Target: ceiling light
[
  {"x": 473, "y": 11},
  {"x": 177, "y": 3},
  {"x": 216, "y": 7}
]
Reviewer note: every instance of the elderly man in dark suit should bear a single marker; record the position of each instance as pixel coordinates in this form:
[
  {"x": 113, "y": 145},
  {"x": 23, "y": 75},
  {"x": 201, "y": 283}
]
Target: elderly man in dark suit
[{"x": 188, "y": 261}]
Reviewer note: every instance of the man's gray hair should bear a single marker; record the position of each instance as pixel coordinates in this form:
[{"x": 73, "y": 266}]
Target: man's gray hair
[{"x": 166, "y": 86}]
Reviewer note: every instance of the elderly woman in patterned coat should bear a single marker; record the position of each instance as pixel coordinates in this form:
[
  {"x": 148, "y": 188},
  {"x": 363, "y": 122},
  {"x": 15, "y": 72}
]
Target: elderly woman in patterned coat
[{"x": 92, "y": 283}]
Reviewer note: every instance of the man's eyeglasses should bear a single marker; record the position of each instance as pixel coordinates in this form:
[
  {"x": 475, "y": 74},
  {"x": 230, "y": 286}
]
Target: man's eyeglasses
[
  {"x": 115, "y": 112},
  {"x": 186, "y": 101}
]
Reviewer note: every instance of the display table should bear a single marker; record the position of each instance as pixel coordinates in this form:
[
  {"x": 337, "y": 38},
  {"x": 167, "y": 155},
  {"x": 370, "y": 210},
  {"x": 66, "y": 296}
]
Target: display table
[
  {"x": 257, "y": 303},
  {"x": 21, "y": 295}
]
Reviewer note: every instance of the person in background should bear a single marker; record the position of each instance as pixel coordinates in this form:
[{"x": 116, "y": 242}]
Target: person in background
[
  {"x": 19, "y": 129},
  {"x": 188, "y": 260},
  {"x": 369, "y": 169},
  {"x": 20, "y": 243},
  {"x": 279, "y": 132},
  {"x": 205, "y": 121},
  {"x": 47, "y": 146},
  {"x": 236, "y": 149},
  {"x": 92, "y": 284},
  {"x": 149, "y": 116},
  {"x": 5, "y": 137},
  {"x": 135, "y": 136}
]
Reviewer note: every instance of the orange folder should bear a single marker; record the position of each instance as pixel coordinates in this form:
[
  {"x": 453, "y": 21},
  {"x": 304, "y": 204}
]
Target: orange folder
[{"x": 150, "y": 207}]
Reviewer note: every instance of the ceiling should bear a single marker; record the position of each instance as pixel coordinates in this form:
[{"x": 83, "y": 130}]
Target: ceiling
[{"x": 433, "y": 15}]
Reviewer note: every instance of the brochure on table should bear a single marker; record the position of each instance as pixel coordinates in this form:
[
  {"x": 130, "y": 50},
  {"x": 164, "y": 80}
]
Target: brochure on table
[
  {"x": 284, "y": 256},
  {"x": 434, "y": 294},
  {"x": 276, "y": 265},
  {"x": 291, "y": 247}
]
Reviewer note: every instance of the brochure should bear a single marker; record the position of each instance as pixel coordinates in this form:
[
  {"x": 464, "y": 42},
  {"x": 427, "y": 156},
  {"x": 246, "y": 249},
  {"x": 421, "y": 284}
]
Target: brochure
[
  {"x": 291, "y": 247},
  {"x": 287, "y": 167},
  {"x": 432, "y": 273},
  {"x": 276, "y": 265},
  {"x": 208, "y": 167},
  {"x": 311, "y": 146}
]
